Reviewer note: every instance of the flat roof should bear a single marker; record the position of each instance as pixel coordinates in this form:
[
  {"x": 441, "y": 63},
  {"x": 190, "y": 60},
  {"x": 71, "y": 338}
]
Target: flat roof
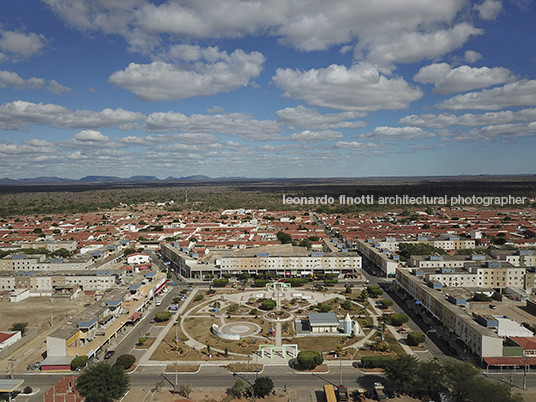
[{"x": 10, "y": 385}]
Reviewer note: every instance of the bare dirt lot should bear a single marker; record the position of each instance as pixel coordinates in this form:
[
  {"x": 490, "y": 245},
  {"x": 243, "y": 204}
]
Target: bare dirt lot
[{"x": 43, "y": 316}]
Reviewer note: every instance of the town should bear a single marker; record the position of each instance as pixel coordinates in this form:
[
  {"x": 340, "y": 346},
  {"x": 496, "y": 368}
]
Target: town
[{"x": 183, "y": 293}]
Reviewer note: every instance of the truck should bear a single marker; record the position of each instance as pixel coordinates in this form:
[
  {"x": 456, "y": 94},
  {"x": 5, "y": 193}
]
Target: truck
[
  {"x": 343, "y": 393},
  {"x": 379, "y": 390}
]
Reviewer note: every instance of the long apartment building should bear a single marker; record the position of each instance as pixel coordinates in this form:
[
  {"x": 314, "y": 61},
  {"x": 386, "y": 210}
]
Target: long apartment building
[
  {"x": 284, "y": 260},
  {"x": 89, "y": 331},
  {"x": 478, "y": 339}
]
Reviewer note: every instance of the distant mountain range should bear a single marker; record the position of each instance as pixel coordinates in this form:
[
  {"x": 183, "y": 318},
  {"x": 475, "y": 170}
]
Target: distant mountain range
[{"x": 109, "y": 179}]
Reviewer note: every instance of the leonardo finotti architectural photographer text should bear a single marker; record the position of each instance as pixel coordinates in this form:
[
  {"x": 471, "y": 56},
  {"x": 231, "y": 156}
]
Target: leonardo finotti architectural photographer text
[{"x": 406, "y": 200}]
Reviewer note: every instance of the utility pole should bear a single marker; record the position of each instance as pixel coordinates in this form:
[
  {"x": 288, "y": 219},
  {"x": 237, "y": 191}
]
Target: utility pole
[
  {"x": 176, "y": 358},
  {"x": 525, "y": 373}
]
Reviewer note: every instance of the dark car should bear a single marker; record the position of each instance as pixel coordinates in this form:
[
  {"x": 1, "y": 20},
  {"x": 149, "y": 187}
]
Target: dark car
[{"x": 109, "y": 354}]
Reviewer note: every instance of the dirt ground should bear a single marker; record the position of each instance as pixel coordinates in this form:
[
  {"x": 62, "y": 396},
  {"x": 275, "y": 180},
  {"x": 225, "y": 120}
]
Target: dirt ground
[
  {"x": 39, "y": 313},
  {"x": 219, "y": 395}
]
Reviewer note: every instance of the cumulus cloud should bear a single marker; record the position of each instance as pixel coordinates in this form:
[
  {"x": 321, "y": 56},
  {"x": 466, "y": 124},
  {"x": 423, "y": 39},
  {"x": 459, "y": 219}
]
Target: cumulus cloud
[
  {"x": 471, "y": 56},
  {"x": 396, "y": 134},
  {"x": 489, "y": 9},
  {"x": 157, "y": 139},
  {"x": 20, "y": 44},
  {"x": 408, "y": 47},
  {"x": 19, "y": 115},
  {"x": 238, "y": 124},
  {"x": 217, "y": 72},
  {"x": 303, "y": 24},
  {"x": 469, "y": 119},
  {"x": 91, "y": 136},
  {"x": 309, "y": 118},
  {"x": 315, "y": 136},
  {"x": 519, "y": 94},
  {"x": 9, "y": 78},
  {"x": 360, "y": 88},
  {"x": 364, "y": 148},
  {"x": 449, "y": 80}
]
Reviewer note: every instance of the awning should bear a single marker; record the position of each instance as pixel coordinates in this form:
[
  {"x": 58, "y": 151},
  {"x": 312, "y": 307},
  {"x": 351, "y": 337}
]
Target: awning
[
  {"x": 10, "y": 385},
  {"x": 510, "y": 361},
  {"x": 134, "y": 317}
]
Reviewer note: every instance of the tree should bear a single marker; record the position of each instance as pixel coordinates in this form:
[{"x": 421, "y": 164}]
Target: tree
[
  {"x": 415, "y": 338},
  {"x": 125, "y": 361},
  {"x": 387, "y": 303},
  {"x": 403, "y": 372},
  {"x": 431, "y": 375},
  {"x": 306, "y": 243},
  {"x": 283, "y": 237},
  {"x": 263, "y": 386},
  {"x": 79, "y": 362},
  {"x": 142, "y": 340},
  {"x": 27, "y": 390},
  {"x": 128, "y": 251},
  {"x": 268, "y": 304},
  {"x": 398, "y": 319},
  {"x": 162, "y": 316},
  {"x": 103, "y": 383},
  {"x": 481, "y": 297},
  {"x": 20, "y": 326},
  {"x": 237, "y": 389},
  {"x": 309, "y": 359},
  {"x": 374, "y": 290},
  {"x": 459, "y": 378}
]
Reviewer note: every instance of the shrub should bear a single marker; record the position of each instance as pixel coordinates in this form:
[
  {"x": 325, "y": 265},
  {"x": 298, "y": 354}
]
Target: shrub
[
  {"x": 375, "y": 361},
  {"x": 198, "y": 297},
  {"x": 330, "y": 282},
  {"x": 163, "y": 316},
  {"x": 261, "y": 282},
  {"x": 125, "y": 361},
  {"x": 27, "y": 390},
  {"x": 325, "y": 308},
  {"x": 253, "y": 311},
  {"x": 374, "y": 290},
  {"x": 232, "y": 308},
  {"x": 220, "y": 283},
  {"x": 142, "y": 340},
  {"x": 416, "y": 338},
  {"x": 309, "y": 359},
  {"x": 296, "y": 282}
]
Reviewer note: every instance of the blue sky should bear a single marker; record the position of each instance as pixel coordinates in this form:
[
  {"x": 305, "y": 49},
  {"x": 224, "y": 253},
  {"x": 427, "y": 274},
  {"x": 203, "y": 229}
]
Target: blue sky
[{"x": 303, "y": 88}]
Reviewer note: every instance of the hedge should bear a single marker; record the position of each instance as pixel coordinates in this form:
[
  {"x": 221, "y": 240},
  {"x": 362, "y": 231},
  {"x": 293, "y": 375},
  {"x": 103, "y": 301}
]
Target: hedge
[{"x": 375, "y": 361}]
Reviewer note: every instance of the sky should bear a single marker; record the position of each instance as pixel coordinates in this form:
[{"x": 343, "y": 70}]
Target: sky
[{"x": 267, "y": 88}]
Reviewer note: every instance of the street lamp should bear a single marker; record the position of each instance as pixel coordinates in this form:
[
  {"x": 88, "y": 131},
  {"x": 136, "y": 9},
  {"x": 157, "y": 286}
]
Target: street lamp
[{"x": 433, "y": 331}]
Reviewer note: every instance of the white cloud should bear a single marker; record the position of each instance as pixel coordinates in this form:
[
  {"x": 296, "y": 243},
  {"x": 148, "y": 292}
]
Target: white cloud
[
  {"x": 361, "y": 147},
  {"x": 396, "y": 134},
  {"x": 152, "y": 140},
  {"x": 57, "y": 88},
  {"x": 161, "y": 81},
  {"x": 91, "y": 136},
  {"x": 309, "y": 118},
  {"x": 303, "y": 24},
  {"x": 520, "y": 93},
  {"x": 360, "y": 88},
  {"x": 469, "y": 120},
  {"x": 315, "y": 136},
  {"x": 408, "y": 47},
  {"x": 8, "y": 78},
  {"x": 238, "y": 124},
  {"x": 21, "y": 44},
  {"x": 489, "y": 9},
  {"x": 21, "y": 114},
  {"x": 447, "y": 80},
  {"x": 471, "y": 56}
]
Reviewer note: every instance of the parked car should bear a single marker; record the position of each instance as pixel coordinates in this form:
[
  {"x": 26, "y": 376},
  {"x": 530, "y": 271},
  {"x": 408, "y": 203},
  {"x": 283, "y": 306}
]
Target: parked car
[
  {"x": 109, "y": 354},
  {"x": 492, "y": 306},
  {"x": 402, "y": 330}
]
